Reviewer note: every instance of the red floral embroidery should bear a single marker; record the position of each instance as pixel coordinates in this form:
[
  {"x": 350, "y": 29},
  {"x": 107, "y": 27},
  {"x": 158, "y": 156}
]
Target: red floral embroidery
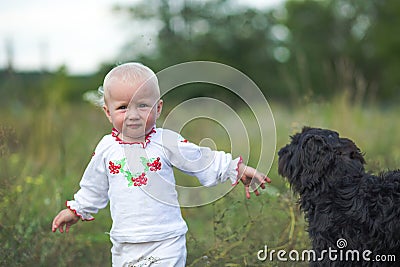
[
  {"x": 139, "y": 181},
  {"x": 115, "y": 134},
  {"x": 114, "y": 169},
  {"x": 155, "y": 165}
]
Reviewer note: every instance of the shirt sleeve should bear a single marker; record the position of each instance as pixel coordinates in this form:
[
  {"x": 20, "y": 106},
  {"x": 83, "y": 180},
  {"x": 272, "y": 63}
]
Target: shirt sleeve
[
  {"x": 93, "y": 192},
  {"x": 209, "y": 166}
]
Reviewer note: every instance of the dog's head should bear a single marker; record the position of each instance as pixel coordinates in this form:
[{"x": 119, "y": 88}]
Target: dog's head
[{"x": 315, "y": 155}]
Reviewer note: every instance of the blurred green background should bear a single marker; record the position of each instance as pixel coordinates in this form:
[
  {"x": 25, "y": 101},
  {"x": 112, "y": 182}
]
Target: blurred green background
[{"x": 331, "y": 63}]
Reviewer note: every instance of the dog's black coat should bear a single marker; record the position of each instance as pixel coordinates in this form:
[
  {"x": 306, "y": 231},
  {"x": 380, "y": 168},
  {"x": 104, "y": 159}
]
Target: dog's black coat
[{"x": 341, "y": 200}]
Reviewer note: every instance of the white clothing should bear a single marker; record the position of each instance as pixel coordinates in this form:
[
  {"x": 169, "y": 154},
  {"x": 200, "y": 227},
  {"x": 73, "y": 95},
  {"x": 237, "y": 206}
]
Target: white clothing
[
  {"x": 138, "y": 180},
  {"x": 169, "y": 252}
]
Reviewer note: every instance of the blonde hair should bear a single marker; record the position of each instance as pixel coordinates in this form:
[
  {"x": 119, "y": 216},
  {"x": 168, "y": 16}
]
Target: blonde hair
[{"x": 131, "y": 72}]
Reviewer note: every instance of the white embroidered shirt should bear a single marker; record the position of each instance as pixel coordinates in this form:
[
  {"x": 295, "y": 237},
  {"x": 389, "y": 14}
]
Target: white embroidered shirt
[{"x": 138, "y": 180}]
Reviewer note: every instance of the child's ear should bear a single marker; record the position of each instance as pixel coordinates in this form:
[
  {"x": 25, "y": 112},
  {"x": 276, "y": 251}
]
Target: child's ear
[
  {"x": 107, "y": 112},
  {"x": 159, "y": 107}
]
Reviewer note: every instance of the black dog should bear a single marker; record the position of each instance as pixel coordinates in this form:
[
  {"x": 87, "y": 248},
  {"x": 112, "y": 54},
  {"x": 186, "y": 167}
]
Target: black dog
[{"x": 351, "y": 214}]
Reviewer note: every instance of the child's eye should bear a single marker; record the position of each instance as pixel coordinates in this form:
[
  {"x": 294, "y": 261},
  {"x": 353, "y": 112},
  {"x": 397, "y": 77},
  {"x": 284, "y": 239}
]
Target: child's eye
[{"x": 122, "y": 107}]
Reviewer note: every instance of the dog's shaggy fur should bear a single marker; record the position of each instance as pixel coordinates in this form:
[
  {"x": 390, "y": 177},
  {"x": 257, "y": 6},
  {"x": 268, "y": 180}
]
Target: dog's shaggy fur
[{"x": 340, "y": 200}]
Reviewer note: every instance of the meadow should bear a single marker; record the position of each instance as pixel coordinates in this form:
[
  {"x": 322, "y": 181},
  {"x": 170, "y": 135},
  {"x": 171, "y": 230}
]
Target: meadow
[{"x": 44, "y": 150}]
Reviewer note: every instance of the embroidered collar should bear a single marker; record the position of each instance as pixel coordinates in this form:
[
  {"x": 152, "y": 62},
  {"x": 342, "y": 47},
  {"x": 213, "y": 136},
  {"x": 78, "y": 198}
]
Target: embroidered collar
[{"x": 115, "y": 133}]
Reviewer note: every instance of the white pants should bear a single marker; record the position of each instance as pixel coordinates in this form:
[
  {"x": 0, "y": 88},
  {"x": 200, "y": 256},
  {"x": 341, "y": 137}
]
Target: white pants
[{"x": 166, "y": 253}]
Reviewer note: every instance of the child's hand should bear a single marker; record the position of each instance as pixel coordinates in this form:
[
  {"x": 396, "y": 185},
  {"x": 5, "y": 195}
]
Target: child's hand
[
  {"x": 65, "y": 218},
  {"x": 247, "y": 174}
]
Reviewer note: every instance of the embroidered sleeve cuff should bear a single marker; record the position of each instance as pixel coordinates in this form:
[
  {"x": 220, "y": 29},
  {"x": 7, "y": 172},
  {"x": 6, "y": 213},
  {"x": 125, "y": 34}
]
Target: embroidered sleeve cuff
[
  {"x": 74, "y": 207},
  {"x": 234, "y": 170}
]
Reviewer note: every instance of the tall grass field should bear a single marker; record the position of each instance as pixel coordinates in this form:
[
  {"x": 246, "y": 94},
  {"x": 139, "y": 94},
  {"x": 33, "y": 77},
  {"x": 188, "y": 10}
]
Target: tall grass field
[{"x": 44, "y": 151}]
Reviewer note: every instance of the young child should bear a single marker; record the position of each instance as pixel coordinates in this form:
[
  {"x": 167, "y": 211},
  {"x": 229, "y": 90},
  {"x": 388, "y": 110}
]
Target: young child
[{"x": 132, "y": 168}]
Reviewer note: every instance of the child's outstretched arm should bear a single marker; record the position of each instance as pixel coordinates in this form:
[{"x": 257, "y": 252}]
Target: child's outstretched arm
[
  {"x": 247, "y": 174},
  {"x": 65, "y": 218}
]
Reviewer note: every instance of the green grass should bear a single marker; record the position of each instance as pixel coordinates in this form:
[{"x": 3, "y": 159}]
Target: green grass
[{"x": 44, "y": 151}]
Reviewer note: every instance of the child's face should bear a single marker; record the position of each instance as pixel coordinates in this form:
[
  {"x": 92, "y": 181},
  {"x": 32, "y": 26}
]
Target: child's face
[{"x": 132, "y": 109}]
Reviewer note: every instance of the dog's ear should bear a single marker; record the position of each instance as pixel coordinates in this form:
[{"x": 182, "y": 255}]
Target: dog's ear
[{"x": 316, "y": 155}]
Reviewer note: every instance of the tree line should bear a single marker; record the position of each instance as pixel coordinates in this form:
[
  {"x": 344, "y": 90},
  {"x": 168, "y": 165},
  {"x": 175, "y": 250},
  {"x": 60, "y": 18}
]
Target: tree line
[{"x": 297, "y": 49}]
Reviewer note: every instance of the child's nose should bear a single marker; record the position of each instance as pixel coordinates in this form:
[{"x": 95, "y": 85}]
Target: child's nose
[{"x": 132, "y": 114}]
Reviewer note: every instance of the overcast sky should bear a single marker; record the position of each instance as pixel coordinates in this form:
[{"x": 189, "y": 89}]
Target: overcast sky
[{"x": 77, "y": 33}]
